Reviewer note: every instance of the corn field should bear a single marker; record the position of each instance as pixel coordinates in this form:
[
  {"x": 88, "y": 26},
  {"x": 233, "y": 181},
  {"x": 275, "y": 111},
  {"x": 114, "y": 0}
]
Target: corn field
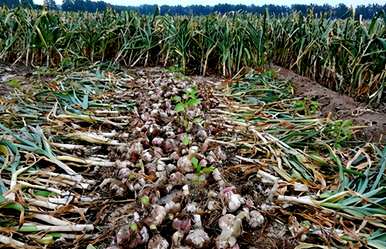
[{"x": 346, "y": 55}]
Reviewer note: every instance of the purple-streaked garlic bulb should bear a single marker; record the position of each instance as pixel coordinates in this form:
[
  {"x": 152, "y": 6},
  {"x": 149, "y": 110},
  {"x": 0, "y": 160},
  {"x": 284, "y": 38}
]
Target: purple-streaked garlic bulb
[
  {"x": 232, "y": 200},
  {"x": 183, "y": 225},
  {"x": 169, "y": 145},
  {"x": 130, "y": 236},
  {"x": 135, "y": 151},
  {"x": 177, "y": 178},
  {"x": 157, "y": 141}
]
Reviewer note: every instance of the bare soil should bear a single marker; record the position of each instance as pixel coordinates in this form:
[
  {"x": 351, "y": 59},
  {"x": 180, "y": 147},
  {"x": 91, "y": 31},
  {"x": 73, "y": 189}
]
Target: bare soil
[{"x": 340, "y": 106}]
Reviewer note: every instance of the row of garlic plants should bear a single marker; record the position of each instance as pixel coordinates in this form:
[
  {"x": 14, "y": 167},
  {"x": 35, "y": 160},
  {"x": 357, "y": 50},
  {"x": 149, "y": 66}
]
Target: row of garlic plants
[{"x": 346, "y": 55}]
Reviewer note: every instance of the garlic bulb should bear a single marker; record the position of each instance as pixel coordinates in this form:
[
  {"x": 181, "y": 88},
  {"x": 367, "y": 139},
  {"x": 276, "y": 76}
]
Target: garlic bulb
[
  {"x": 197, "y": 238},
  {"x": 156, "y": 217},
  {"x": 182, "y": 225},
  {"x": 235, "y": 201},
  {"x": 135, "y": 151},
  {"x": 130, "y": 237},
  {"x": 197, "y": 221},
  {"x": 193, "y": 150},
  {"x": 201, "y": 135},
  {"x": 231, "y": 230},
  {"x": 184, "y": 165},
  {"x": 176, "y": 178},
  {"x": 147, "y": 157},
  {"x": 256, "y": 219},
  {"x": 157, "y": 141},
  {"x": 176, "y": 239},
  {"x": 123, "y": 236},
  {"x": 158, "y": 242},
  {"x": 169, "y": 145},
  {"x": 232, "y": 200},
  {"x": 172, "y": 207}
]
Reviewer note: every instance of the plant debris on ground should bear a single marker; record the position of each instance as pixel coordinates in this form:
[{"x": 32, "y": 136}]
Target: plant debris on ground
[{"x": 147, "y": 158}]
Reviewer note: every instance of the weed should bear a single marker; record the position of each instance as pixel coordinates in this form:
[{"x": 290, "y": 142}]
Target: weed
[
  {"x": 188, "y": 101},
  {"x": 340, "y": 130},
  {"x": 14, "y": 83},
  {"x": 306, "y": 106},
  {"x": 186, "y": 140},
  {"x": 199, "y": 169}
]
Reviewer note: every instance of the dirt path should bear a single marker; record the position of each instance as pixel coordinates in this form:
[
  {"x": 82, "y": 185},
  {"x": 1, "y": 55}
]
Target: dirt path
[{"x": 340, "y": 106}]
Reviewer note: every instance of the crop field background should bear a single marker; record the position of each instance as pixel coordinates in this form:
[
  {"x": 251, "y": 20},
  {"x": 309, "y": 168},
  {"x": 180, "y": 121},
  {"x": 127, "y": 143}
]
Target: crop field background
[
  {"x": 348, "y": 55},
  {"x": 122, "y": 130}
]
